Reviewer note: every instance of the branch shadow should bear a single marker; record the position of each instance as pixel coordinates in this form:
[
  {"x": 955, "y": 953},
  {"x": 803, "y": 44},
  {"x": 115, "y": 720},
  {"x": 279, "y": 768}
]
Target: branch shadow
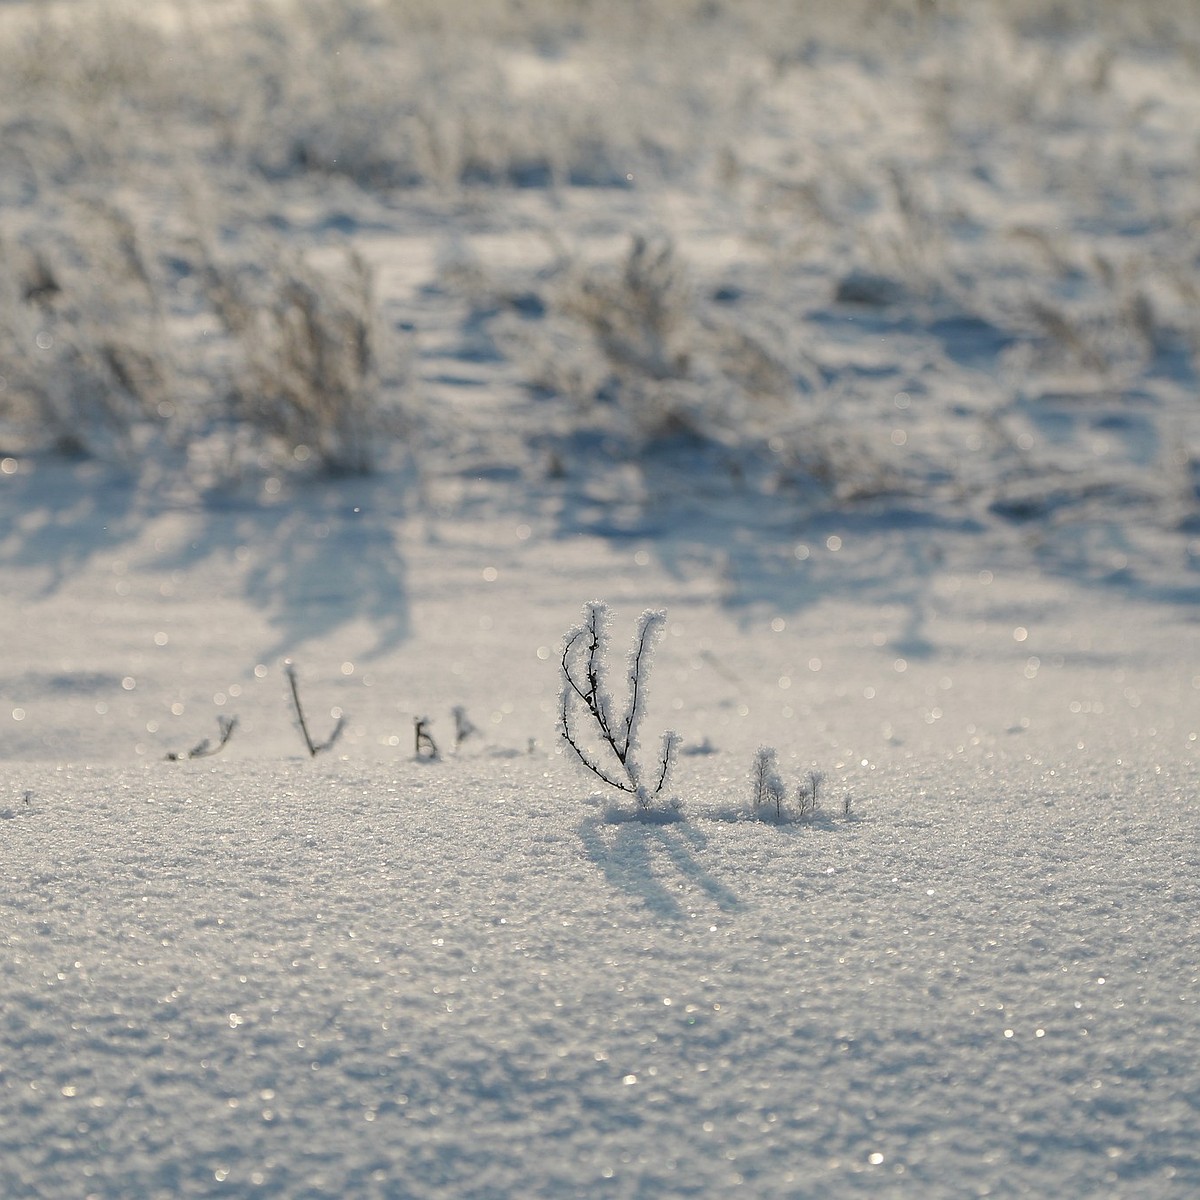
[
  {"x": 61, "y": 515},
  {"x": 765, "y": 523},
  {"x": 326, "y": 556},
  {"x": 697, "y": 516},
  {"x": 624, "y": 849}
]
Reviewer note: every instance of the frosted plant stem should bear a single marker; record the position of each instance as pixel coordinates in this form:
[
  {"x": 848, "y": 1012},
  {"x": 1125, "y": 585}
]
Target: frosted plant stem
[{"x": 584, "y": 682}]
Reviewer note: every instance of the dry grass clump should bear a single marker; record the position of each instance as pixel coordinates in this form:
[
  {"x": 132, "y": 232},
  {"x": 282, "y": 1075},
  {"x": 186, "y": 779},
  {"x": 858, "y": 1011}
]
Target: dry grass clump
[
  {"x": 635, "y": 336},
  {"x": 389, "y": 95},
  {"x": 90, "y": 364},
  {"x": 307, "y": 368},
  {"x": 82, "y": 334},
  {"x": 640, "y": 315},
  {"x": 642, "y": 355}
]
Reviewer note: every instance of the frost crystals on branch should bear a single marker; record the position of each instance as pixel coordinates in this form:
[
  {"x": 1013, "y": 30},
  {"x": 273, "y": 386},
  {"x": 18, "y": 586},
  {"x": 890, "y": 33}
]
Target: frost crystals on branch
[
  {"x": 768, "y": 793},
  {"x": 766, "y": 787},
  {"x": 613, "y": 752}
]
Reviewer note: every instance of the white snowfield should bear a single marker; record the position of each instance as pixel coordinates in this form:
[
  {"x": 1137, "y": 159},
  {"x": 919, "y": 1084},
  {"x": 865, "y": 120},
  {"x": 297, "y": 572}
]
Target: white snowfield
[
  {"x": 367, "y": 975},
  {"x": 377, "y": 981},
  {"x": 863, "y": 344}
]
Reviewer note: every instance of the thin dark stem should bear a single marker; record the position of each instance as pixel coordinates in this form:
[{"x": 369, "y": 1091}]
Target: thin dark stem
[
  {"x": 204, "y": 748},
  {"x": 635, "y": 682},
  {"x": 572, "y": 741},
  {"x": 591, "y": 700},
  {"x": 314, "y": 748},
  {"x": 328, "y": 743},
  {"x": 226, "y": 725},
  {"x": 290, "y": 671}
]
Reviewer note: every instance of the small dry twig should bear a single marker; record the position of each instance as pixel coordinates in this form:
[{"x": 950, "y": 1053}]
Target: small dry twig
[
  {"x": 205, "y": 749},
  {"x": 463, "y": 726},
  {"x": 314, "y": 748},
  {"x": 426, "y": 747}
]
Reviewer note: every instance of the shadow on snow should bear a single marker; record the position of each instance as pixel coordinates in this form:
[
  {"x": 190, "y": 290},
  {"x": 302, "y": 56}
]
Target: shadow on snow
[
  {"x": 627, "y": 852},
  {"x": 326, "y": 556}
]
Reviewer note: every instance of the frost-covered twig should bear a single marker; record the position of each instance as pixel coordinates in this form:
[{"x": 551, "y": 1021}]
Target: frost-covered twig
[
  {"x": 614, "y": 756},
  {"x": 766, "y": 787},
  {"x": 805, "y": 804},
  {"x": 768, "y": 792},
  {"x": 808, "y": 795},
  {"x": 314, "y": 748},
  {"x": 205, "y": 749}
]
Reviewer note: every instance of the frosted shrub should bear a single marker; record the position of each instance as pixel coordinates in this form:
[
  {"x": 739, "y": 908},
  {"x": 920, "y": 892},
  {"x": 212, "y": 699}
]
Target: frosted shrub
[
  {"x": 81, "y": 334},
  {"x": 613, "y": 752},
  {"x": 308, "y": 370},
  {"x": 768, "y": 792}
]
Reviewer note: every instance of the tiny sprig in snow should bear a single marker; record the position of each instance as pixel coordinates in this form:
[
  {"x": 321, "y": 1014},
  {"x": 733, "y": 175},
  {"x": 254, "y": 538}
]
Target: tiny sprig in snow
[
  {"x": 612, "y": 750},
  {"x": 205, "y": 748},
  {"x": 314, "y": 748},
  {"x": 768, "y": 792},
  {"x": 425, "y": 746},
  {"x": 463, "y": 726}
]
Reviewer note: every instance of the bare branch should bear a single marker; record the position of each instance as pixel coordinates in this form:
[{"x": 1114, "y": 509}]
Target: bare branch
[
  {"x": 426, "y": 747},
  {"x": 314, "y": 748},
  {"x": 584, "y": 650},
  {"x": 204, "y": 748},
  {"x": 572, "y": 740}
]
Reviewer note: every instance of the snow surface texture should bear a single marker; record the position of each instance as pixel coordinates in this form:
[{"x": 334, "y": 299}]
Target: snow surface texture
[
  {"x": 863, "y": 347},
  {"x": 370, "y": 975}
]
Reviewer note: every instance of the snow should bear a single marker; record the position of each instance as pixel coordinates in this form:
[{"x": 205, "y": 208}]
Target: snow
[
  {"x": 371, "y": 975},
  {"x": 919, "y": 538}
]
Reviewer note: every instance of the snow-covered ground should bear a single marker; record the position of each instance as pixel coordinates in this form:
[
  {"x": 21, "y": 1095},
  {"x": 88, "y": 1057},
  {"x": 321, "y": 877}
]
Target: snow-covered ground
[
  {"x": 261, "y": 974},
  {"x": 877, "y": 372}
]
